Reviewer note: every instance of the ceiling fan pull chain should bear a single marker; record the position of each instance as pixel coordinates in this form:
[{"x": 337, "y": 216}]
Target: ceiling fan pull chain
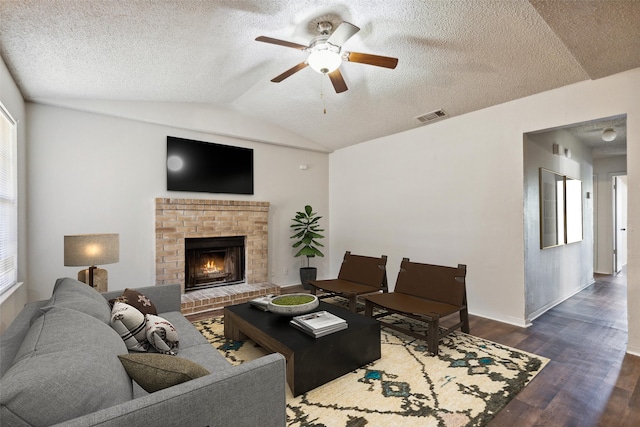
[{"x": 324, "y": 104}]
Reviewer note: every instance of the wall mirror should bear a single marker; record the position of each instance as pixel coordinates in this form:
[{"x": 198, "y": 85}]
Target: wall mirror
[
  {"x": 551, "y": 209},
  {"x": 560, "y": 209}
]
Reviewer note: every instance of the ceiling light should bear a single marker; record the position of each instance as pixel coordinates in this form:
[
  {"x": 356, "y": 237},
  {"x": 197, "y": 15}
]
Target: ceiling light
[
  {"x": 324, "y": 58},
  {"x": 609, "y": 135}
]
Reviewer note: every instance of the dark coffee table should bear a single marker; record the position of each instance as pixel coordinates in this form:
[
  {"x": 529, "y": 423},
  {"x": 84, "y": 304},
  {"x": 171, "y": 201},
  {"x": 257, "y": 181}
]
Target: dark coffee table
[{"x": 311, "y": 362}]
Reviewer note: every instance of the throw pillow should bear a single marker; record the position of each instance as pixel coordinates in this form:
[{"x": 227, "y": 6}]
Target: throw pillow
[
  {"x": 157, "y": 371},
  {"x": 130, "y": 324},
  {"x": 137, "y": 300},
  {"x": 161, "y": 334}
]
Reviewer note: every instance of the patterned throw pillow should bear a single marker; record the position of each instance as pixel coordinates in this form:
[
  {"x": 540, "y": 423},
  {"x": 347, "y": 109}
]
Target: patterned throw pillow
[
  {"x": 137, "y": 300},
  {"x": 161, "y": 334},
  {"x": 157, "y": 371},
  {"x": 130, "y": 324}
]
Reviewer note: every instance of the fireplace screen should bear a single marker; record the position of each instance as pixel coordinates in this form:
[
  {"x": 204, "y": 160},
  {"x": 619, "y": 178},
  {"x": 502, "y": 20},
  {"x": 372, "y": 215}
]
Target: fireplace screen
[{"x": 213, "y": 261}]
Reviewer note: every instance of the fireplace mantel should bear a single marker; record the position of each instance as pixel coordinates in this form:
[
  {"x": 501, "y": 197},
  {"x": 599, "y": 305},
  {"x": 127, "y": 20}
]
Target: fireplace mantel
[{"x": 177, "y": 219}]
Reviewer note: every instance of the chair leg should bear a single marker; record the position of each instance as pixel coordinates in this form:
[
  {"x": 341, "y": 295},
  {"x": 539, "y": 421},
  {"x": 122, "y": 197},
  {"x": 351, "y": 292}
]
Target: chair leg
[
  {"x": 464, "y": 318},
  {"x": 314, "y": 290},
  {"x": 352, "y": 303},
  {"x": 368, "y": 308},
  {"x": 432, "y": 338}
]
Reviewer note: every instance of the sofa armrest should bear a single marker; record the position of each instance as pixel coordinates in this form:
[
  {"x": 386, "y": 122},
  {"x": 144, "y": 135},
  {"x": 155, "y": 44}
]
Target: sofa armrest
[
  {"x": 12, "y": 337},
  {"x": 250, "y": 394},
  {"x": 164, "y": 297}
]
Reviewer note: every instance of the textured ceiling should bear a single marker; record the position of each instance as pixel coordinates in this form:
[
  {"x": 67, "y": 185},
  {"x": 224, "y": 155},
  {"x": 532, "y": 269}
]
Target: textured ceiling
[
  {"x": 459, "y": 56},
  {"x": 590, "y": 134}
]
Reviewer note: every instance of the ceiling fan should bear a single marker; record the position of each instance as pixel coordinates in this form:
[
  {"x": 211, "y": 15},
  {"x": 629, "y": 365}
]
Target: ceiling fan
[{"x": 326, "y": 54}]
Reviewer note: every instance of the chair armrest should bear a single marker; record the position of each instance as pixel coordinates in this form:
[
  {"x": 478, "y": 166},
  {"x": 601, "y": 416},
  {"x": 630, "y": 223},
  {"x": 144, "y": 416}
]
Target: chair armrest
[{"x": 250, "y": 395}]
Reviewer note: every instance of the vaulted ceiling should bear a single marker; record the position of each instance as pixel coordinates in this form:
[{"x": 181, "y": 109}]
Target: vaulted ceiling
[{"x": 458, "y": 56}]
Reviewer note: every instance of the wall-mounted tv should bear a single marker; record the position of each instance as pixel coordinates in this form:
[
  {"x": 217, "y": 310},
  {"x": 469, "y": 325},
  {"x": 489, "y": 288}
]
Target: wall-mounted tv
[{"x": 208, "y": 167}]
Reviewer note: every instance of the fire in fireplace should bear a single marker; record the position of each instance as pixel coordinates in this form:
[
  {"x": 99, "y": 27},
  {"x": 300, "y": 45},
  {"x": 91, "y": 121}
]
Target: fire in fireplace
[{"x": 214, "y": 261}]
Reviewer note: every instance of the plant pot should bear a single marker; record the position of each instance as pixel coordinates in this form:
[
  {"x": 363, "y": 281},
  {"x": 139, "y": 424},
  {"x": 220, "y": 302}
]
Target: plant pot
[{"x": 307, "y": 274}]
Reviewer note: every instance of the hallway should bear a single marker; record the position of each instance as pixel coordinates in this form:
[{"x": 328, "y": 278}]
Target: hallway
[{"x": 590, "y": 380}]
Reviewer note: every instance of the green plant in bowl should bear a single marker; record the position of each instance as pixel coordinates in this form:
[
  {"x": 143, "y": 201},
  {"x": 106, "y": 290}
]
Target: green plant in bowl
[
  {"x": 293, "y": 304},
  {"x": 293, "y": 299}
]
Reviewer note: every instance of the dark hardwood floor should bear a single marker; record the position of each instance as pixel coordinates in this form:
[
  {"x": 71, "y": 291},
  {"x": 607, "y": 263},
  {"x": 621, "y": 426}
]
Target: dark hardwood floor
[{"x": 590, "y": 380}]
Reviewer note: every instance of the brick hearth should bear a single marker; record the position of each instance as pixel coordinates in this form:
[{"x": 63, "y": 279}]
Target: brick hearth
[
  {"x": 207, "y": 300},
  {"x": 178, "y": 219}
]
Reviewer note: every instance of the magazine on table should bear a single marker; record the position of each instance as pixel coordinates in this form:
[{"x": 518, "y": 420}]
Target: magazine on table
[
  {"x": 319, "y": 322},
  {"x": 320, "y": 333},
  {"x": 262, "y": 302}
]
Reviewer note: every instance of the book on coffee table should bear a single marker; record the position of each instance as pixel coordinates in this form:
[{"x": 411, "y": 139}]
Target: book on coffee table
[
  {"x": 319, "y": 324},
  {"x": 318, "y": 334}
]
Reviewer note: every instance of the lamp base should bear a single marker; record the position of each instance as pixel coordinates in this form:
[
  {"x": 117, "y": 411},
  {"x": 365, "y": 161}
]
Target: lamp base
[{"x": 100, "y": 278}]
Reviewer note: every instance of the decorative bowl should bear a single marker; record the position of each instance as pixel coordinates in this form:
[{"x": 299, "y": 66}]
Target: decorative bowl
[{"x": 293, "y": 304}]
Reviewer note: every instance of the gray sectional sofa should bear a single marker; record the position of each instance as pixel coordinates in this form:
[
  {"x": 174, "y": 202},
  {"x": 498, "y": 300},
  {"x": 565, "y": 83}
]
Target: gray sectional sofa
[{"x": 60, "y": 366}]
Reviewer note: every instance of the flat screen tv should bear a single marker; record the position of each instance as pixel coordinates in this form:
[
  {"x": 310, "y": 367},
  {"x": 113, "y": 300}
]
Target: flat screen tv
[{"x": 208, "y": 167}]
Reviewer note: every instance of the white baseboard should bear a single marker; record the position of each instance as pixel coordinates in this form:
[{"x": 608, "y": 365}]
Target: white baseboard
[
  {"x": 533, "y": 316},
  {"x": 508, "y": 320},
  {"x": 633, "y": 351}
]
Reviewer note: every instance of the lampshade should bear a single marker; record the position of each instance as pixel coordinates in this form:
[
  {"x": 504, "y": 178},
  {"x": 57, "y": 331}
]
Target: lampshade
[
  {"x": 609, "y": 135},
  {"x": 324, "y": 61},
  {"x": 91, "y": 249}
]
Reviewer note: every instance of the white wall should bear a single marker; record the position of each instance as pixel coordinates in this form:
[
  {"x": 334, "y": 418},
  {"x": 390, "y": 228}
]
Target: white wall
[
  {"x": 603, "y": 170},
  {"x": 94, "y": 173},
  {"x": 11, "y": 304},
  {"x": 452, "y": 192},
  {"x": 449, "y": 193}
]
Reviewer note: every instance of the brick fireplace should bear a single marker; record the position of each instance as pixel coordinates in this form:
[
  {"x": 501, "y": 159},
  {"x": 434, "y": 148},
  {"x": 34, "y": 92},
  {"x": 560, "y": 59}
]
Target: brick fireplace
[{"x": 181, "y": 219}]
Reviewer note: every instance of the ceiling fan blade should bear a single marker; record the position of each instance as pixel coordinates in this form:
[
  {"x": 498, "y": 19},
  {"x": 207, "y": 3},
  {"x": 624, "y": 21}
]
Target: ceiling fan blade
[
  {"x": 289, "y": 72},
  {"x": 280, "y": 42},
  {"x": 338, "y": 81},
  {"x": 343, "y": 33},
  {"x": 366, "y": 58}
]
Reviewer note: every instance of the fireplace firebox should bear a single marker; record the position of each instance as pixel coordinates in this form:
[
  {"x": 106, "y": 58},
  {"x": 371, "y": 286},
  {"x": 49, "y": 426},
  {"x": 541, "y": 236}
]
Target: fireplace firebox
[{"x": 214, "y": 261}]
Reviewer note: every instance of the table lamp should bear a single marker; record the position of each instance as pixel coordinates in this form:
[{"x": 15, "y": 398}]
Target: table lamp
[{"x": 91, "y": 250}]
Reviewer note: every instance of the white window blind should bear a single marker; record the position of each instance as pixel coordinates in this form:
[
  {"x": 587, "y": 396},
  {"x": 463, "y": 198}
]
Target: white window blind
[{"x": 8, "y": 201}]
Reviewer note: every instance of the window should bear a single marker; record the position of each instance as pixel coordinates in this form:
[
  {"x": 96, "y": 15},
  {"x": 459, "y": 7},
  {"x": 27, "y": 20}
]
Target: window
[{"x": 8, "y": 201}]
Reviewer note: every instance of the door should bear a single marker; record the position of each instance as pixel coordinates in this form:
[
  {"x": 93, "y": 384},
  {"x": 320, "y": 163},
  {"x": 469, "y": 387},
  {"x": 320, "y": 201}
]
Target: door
[{"x": 620, "y": 222}]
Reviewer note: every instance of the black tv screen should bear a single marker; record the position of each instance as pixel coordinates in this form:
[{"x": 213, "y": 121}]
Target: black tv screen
[{"x": 208, "y": 167}]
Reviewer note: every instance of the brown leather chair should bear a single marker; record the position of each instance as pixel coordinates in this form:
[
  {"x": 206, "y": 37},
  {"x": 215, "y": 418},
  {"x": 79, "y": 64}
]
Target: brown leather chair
[
  {"x": 358, "y": 275},
  {"x": 426, "y": 293}
]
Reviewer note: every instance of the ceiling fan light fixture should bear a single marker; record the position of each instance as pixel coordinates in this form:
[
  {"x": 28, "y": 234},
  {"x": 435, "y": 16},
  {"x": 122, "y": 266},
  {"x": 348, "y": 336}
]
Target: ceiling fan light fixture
[
  {"x": 324, "y": 61},
  {"x": 609, "y": 135}
]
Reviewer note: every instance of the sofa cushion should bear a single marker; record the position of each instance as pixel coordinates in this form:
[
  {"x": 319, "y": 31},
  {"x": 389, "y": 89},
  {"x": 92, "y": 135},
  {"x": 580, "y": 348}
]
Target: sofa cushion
[
  {"x": 130, "y": 324},
  {"x": 79, "y": 296},
  {"x": 137, "y": 300},
  {"x": 67, "y": 366},
  {"x": 161, "y": 334},
  {"x": 187, "y": 333},
  {"x": 154, "y": 372}
]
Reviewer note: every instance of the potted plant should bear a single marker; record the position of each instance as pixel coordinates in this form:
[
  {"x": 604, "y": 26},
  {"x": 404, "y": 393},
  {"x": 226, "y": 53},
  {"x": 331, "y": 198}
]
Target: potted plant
[{"x": 307, "y": 232}]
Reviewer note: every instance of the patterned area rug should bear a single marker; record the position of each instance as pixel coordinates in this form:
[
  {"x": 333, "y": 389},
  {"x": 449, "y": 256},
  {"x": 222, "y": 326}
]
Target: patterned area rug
[{"x": 465, "y": 385}]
